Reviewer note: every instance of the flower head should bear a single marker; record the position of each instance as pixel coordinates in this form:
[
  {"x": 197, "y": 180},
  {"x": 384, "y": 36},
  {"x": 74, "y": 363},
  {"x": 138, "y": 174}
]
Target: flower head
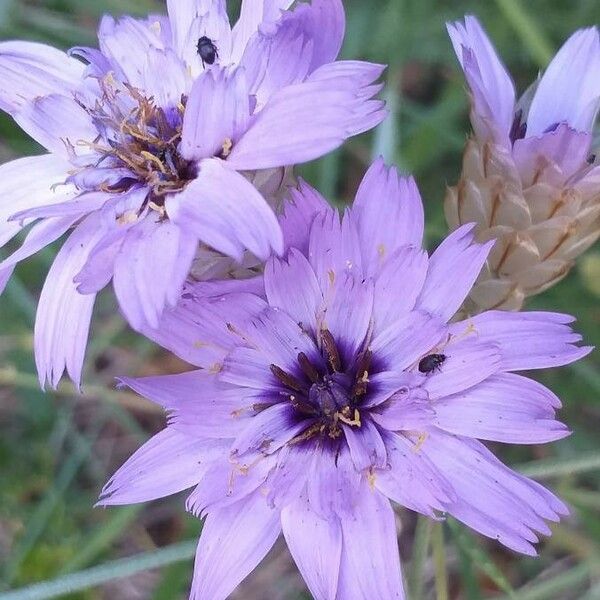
[
  {"x": 154, "y": 141},
  {"x": 529, "y": 177},
  {"x": 344, "y": 386}
]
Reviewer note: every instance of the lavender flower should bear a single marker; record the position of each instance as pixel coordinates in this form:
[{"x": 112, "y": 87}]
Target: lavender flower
[
  {"x": 530, "y": 178},
  {"x": 152, "y": 146},
  {"x": 343, "y": 388}
]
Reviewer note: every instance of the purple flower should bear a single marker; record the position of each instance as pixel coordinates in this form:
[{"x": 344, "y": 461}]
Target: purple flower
[
  {"x": 343, "y": 387},
  {"x": 153, "y": 143},
  {"x": 549, "y": 130}
]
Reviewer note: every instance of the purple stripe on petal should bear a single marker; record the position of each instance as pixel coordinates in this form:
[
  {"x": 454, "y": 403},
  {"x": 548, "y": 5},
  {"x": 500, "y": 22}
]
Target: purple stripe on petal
[
  {"x": 149, "y": 248},
  {"x": 269, "y": 430},
  {"x": 197, "y": 329},
  {"x": 226, "y": 482},
  {"x": 288, "y": 130},
  {"x": 491, "y": 86}
]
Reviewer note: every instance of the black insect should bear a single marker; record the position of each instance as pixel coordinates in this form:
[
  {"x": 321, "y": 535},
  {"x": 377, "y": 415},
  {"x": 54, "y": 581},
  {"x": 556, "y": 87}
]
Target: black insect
[
  {"x": 207, "y": 50},
  {"x": 431, "y": 362}
]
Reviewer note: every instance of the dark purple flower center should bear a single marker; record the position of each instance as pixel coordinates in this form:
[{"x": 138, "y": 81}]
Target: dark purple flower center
[
  {"x": 138, "y": 135},
  {"x": 323, "y": 392}
]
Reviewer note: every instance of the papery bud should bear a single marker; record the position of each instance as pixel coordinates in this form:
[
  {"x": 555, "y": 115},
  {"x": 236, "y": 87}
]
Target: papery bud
[
  {"x": 529, "y": 180},
  {"x": 539, "y": 227}
]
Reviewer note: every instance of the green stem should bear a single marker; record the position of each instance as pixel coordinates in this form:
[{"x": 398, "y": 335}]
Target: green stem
[{"x": 439, "y": 560}]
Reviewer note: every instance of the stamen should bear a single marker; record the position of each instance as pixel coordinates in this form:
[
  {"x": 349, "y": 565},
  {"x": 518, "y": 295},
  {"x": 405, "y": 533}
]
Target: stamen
[
  {"x": 287, "y": 379},
  {"x": 308, "y": 368},
  {"x": 333, "y": 356}
]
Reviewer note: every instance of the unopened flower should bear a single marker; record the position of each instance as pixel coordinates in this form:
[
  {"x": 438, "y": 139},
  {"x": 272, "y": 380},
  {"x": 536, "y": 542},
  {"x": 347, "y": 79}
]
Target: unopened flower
[
  {"x": 153, "y": 146},
  {"x": 343, "y": 388},
  {"x": 530, "y": 179}
]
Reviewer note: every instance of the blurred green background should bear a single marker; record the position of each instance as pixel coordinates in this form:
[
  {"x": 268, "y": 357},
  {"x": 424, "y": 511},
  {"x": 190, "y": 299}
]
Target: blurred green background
[{"x": 58, "y": 448}]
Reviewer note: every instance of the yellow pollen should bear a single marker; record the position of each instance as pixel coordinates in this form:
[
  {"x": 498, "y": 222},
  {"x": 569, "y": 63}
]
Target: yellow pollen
[
  {"x": 127, "y": 218},
  {"x": 159, "y": 209},
  {"x": 371, "y": 478},
  {"x": 215, "y": 368},
  {"x": 331, "y": 275},
  {"x": 149, "y": 156},
  {"x": 420, "y": 441},
  {"x": 381, "y": 250},
  {"x": 344, "y": 418},
  {"x": 227, "y": 146}
]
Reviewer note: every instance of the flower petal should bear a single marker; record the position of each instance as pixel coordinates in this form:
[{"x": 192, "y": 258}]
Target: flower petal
[
  {"x": 370, "y": 565},
  {"x": 59, "y": 124},
  {"x": 166, "y": 464},
  {"x": 253, "y": 14},
  {"x": 27, "y": 192},
  {"x": 197, "y": 330},
  {"x": 300, "y": 208},
  {"x": 29, "y": 70},
  {"x": 569, "y": 90},
  {"x": 226, "y": 212},
  {"x": 316, "y": 546},
  {"x": 149, "y": 248},
  {"x": 527, "y": 340},
  {"x": 503, "y": 408},
  {"x": 287, "y": 51},
  {"x": 292, "y": 286},
  {"x": 398, "y": 285},
  {"x": 492, "y": 89},
  {"x": 198, "y": 403},
  {"x": 41, "y": 235},
  {"x": 193, "y": 19},
  {"x": 460, "y": 256},
  {"x": 234, "y": 540},
  {"x": 389, "y": 214},
  {"x": 467, "y": 363},
  {"x": 288, "y": 130},
  {"x": 63, "y": 316},
  {"x": 407, "y": 340},
  {"x": 412, "y": 480},
  {"x": 490, "y": 498},
  {"x": 217, "y": 113}
]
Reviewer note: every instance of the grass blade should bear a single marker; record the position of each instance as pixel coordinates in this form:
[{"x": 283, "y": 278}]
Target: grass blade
[{"x": 117, "y": 569}]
